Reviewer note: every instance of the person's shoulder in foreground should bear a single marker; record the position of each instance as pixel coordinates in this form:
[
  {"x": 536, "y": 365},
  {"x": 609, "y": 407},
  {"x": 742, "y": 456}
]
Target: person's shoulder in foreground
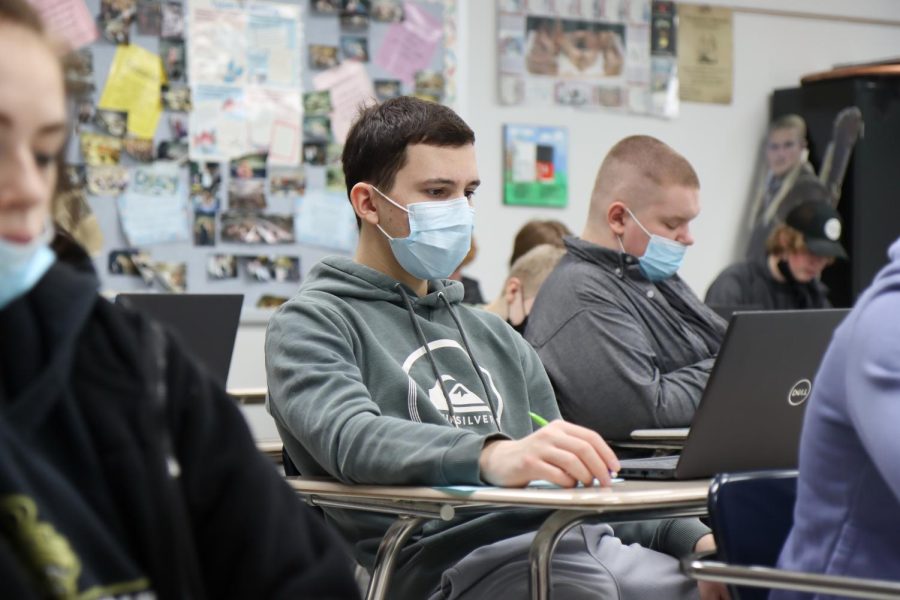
[
  {"x": 123, "y": 470},
  {"x": 614, "y": 315},
  {"x": 847, "y": 517}
]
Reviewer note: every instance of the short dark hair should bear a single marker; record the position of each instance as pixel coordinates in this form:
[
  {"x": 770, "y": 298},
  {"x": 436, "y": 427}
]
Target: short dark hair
[{"x": 375, "y": 149}]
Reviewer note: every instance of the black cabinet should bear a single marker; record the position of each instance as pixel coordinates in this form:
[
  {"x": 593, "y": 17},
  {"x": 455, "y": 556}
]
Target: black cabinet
[{"x": 870, "y": 199}]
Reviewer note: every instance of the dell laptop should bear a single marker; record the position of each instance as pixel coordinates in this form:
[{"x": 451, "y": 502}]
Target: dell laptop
[
  {"x": 205, "y": 324},
  {"x": 751, "y": 411}
]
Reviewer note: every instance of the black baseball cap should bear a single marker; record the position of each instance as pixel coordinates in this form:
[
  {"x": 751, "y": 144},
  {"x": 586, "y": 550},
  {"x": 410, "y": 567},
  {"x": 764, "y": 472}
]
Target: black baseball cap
[{"x": 821, "y": 227}]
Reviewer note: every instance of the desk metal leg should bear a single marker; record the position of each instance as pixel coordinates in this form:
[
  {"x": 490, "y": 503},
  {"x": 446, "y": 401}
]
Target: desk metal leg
[
  {"x": 386, "y": 558},
  {"x": 560, "y": 522},
  {"x": 544, "y": 545}
]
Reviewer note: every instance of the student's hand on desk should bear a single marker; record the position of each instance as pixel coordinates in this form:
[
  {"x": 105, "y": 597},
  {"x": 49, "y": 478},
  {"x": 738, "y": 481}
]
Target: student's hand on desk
[
  {"x": 562, "y": 453},
  {"x": 710, "y": 590}
]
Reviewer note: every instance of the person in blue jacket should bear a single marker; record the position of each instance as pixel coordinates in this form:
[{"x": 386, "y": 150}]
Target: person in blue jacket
[{"x": 847, "y": 517}]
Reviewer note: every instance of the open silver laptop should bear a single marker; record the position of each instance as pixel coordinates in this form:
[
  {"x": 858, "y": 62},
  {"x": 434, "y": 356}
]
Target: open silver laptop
[{"x": 751, "y": 411}]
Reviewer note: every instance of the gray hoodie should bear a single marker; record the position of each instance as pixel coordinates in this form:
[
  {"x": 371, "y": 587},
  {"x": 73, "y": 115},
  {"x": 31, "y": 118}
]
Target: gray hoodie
[
  {"x": 623, "y": 353},
  {"x": 355, "y": 396}
]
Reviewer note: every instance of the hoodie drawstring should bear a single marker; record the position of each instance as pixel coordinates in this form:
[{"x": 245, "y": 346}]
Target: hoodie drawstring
[
  {"x": 422, "y": 340},
  {"x": 421, "y": 335},
  {"x": 478, "y": 370}
]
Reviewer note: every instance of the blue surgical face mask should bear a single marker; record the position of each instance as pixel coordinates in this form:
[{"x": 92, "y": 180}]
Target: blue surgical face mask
[
  {"x": 662, "y": 258},
  {"x": 440, "y": 235},
  {"x": 23, "y": 265}
]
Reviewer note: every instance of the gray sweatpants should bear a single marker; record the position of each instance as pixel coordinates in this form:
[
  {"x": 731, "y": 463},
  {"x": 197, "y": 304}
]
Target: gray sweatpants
[{"x": 589, "y": 562}]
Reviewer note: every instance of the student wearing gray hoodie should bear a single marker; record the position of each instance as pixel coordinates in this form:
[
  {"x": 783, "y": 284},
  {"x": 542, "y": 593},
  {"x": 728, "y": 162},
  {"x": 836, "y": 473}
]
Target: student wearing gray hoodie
[{"x": 378, "y": 375}]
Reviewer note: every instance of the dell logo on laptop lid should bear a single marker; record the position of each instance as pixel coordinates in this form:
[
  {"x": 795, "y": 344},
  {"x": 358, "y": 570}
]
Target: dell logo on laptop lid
[{"x": 799, "y": 392}]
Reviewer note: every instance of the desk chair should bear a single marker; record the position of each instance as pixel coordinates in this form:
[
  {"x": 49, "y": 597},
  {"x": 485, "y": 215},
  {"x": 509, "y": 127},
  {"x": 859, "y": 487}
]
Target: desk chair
[{"x": 751, "y": 515}]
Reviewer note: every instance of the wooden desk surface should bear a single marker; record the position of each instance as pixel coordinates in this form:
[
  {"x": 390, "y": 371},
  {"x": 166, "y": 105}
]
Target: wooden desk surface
[{"x": 623, "y": 495}]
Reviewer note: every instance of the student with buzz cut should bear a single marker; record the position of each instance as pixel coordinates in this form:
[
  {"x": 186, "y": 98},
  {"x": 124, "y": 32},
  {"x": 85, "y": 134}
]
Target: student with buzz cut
[
  {"x": 624, "y": 340},
  {"x": 378, "y": 375}
]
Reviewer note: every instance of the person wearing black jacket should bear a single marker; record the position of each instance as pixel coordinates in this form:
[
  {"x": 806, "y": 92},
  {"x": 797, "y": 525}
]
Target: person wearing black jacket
[
  {"x": 124, "y": 471},
  {"x": 789, "y": 279}
]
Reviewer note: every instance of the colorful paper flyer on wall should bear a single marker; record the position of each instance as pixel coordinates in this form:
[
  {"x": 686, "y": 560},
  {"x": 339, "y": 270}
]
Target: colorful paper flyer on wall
[
  {"x": 274, "y": 118},
  {"x": 218, "y": 127},
  {"x": 326, "y": 219},
  {"x": 587, "y": 55},
  {"x": 409, "y": 46},
  {"x": 245, "y": 70},
  {"x": 133, "y": 85},
  {"x": 217, "y": 45},
  {"x": 273, "y": 45},
  {"x": 69, "y": 20},
  {"x": 535, "y": 166},
  {"x": 350, "y": 88},
  {"x": 705, "y": 51},
  {"x": 154, "y": 210}
]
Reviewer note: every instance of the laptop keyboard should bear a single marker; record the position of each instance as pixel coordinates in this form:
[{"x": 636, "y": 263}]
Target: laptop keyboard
[{"x": 653, "y": 462}]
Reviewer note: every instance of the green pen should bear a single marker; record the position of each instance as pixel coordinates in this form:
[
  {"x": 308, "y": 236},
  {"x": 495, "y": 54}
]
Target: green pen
[{"x": 538, "y": 419}]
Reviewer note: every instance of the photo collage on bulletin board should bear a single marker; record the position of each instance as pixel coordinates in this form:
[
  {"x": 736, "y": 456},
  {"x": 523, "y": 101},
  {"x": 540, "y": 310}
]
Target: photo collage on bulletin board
[
  {"x": 206, "y": 154},
  {"x": 613, "y": 55}
]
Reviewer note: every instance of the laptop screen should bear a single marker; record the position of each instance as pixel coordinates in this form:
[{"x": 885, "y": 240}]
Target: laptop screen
[
  {"x": 205, "y": 324},
  {"x": 751, "y": 412}
]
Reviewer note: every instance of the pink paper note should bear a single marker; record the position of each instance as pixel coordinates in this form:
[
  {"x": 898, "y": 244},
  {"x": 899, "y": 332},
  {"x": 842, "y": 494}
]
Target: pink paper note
[
  {"x": 351, "y": 89},
  {"x": 68, "y": 20},
  {"x": 409, "y": 46}
]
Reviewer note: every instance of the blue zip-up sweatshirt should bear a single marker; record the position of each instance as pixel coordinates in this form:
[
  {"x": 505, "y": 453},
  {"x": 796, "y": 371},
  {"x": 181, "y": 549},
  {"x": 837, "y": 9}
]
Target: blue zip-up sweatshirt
[{"x": 847, "y": 517}]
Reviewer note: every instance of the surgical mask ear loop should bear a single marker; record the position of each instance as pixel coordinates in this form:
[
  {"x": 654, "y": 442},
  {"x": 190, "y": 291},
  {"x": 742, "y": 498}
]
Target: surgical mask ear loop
[{"x": 378, "y": 225}]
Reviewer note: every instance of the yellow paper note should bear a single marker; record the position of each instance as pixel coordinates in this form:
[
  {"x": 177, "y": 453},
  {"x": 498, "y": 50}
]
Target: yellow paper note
[{"x": 133, "y": 85}]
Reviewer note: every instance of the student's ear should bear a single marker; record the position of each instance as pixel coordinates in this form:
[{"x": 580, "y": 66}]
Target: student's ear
[
  {"x": 362, "y": 197},
  {"x": 615, "y": 216},
  {"x": 513, "y": 285}
]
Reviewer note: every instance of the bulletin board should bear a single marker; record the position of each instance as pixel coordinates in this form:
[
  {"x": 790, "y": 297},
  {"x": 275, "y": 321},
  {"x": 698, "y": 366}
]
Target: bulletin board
[
  {"x": 610, "y": 55},
  {"x": 239, "y": 191}
]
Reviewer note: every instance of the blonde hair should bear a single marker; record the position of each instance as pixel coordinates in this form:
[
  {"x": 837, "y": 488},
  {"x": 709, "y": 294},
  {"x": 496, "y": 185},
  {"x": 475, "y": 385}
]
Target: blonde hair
[
  {"x": 533, "y": 267},
  {"x": 784, "y": 239},
  {"x": 634, "y": 170},
  {"x": 793, "y": 122}
]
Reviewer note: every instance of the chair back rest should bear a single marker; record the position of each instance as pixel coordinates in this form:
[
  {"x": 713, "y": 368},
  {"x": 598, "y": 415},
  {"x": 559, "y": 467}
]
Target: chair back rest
[{"x": 751, "y": 514}]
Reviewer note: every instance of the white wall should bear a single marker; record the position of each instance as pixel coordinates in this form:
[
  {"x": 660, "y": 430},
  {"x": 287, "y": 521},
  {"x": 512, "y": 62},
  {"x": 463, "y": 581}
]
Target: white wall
[{"x": 722, "y": 142}]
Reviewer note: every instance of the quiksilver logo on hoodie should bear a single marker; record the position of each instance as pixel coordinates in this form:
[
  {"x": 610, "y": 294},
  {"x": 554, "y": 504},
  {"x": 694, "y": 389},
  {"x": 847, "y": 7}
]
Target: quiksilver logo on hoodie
[
  {"x": 468, "y": 408},
  {"x": 465, "y": 390}
]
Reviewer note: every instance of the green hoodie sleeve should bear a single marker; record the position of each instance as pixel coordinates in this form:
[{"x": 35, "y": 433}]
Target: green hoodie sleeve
[{"x": 317, "y": 396}]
